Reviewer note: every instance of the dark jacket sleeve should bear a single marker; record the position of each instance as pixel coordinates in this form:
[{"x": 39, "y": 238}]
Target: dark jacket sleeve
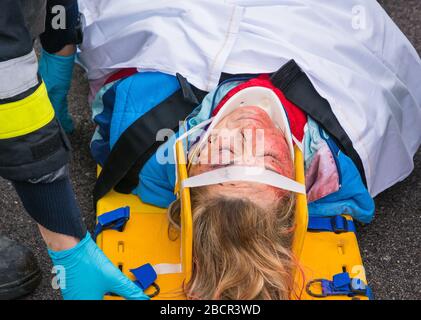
[
  {"x": 53, "y": 40},
  {"x": 15, "y": 39},
  {"x": 32, "y": 143},
  {"x": 18, "y": 62}
]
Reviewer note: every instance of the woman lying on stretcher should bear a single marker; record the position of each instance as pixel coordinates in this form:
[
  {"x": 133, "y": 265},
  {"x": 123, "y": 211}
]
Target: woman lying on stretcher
[
  {"x": 362, "y": 65},
  {"x": 242, "y": 219},
  {"x": 242, "y": 230}
]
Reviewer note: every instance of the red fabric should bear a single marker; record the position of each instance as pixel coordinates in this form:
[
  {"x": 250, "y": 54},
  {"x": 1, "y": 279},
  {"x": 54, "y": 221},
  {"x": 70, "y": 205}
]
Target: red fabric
[
  {"x": 297, "y": 118},
  {"x": 123, "y": 73}
]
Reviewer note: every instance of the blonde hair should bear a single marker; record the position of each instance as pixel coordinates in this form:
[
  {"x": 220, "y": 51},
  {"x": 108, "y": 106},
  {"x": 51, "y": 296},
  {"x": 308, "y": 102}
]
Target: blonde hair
[{"x": 240, "y": 250}]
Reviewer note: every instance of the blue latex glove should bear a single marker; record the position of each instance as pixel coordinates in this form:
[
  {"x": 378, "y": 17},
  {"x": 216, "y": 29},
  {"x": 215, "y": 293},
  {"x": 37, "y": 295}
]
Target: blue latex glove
[
  {"x": 89, "y": 274},
  {"x": 56, "y": 71}
]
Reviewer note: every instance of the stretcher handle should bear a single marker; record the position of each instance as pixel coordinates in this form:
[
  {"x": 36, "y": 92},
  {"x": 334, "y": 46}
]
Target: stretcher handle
[{"x": 186, "y": 214}]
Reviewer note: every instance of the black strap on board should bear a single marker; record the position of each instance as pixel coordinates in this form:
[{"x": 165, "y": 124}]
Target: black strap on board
[{"x": 297, "y": 88}]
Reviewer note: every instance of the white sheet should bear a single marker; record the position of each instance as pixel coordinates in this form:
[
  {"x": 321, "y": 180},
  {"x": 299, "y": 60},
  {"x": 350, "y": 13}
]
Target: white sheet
[{"x": 354, "y": 54}]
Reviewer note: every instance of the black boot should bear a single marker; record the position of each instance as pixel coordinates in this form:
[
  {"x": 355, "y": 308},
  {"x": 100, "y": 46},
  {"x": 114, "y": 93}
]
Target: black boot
[{"x": 19, "y": 270}]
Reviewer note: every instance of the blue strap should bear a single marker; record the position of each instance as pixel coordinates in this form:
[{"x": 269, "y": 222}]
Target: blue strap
[
  {"x": 341, "y": 285},
  {"x": 115, "y": 220},
  {"x": 145, "y": 276},
  {"x": 336, "y": 224}
]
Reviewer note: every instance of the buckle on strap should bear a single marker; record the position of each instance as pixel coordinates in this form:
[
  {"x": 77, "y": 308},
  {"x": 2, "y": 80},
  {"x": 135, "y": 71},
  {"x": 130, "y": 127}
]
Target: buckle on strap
[
  {"x": 145, "y": 278},
  {"x": 115, "y": 220},
  {"x": 339, "y": 224},
  {"x": 341, "y": 285}
]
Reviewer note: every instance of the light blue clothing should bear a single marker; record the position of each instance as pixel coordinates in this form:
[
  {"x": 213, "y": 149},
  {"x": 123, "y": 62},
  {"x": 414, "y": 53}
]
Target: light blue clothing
[
  {"x": 100, "y": 143},
  {"x": 321, "y": 170},
  {"x": 85, "y": 273},
  {"x": 136, "y": 95},
  {"x": 56, "y": 71},
  {"x": 97, "y": 104},
  {"x": 352, "y": 197},
  {"x": 313, "y": 141}
]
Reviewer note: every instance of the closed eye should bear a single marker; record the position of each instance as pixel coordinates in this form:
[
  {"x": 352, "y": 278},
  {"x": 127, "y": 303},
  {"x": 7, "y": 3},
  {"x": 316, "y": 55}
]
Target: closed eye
[{"x": 273, "y": 156}]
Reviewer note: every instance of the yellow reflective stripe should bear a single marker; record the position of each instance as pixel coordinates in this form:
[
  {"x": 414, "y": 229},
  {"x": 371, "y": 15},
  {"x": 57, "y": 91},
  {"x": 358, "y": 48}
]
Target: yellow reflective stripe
[{"x": 26, "y": 115}]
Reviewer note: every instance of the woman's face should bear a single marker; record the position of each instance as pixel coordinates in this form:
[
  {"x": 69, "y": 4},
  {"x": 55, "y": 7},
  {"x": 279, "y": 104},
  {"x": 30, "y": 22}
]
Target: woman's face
[{"x": 246, "y": 137}]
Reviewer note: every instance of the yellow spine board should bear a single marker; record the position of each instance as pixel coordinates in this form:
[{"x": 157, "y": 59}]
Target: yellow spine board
[
  {"x": 301, "y": 210},
  {"x": 146, "y": 240},
  {"x": 325, "y": 254},
  {"x": 320, "y": 255}
]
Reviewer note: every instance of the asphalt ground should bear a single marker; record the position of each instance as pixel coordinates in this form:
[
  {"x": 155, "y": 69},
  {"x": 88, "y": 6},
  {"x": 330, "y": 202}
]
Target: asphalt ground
[{"x": 390, "y": 245}]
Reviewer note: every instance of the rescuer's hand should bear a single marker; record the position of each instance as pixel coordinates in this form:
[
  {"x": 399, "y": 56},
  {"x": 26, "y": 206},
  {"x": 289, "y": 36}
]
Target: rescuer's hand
[{"x": 85, "y": 273}]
